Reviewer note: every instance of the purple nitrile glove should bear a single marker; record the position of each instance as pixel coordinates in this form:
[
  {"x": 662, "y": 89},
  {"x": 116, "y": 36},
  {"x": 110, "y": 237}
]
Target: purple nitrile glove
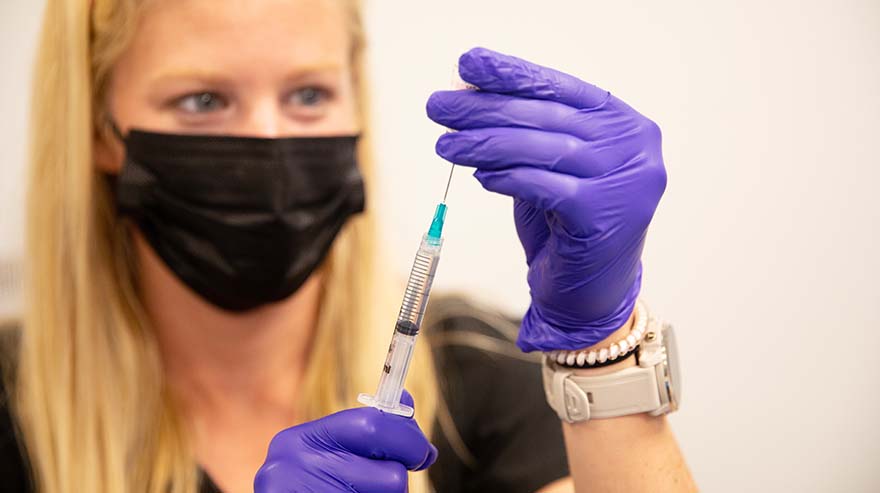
[
  {"x": 360, "y": 450},
  {"x": 586, "y": 173}
]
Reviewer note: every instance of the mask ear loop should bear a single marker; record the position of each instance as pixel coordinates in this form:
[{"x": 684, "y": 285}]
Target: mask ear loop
[
  {"x": 112, "y": 178},
  {"x": 115, "y": 129}
]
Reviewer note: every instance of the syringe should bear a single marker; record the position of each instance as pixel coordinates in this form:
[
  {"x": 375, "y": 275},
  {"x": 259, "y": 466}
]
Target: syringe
[{"x": 409, "y": 320}]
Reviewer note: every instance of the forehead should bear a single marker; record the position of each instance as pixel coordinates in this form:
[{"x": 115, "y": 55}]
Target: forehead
[{"x": 244, "y": 35}]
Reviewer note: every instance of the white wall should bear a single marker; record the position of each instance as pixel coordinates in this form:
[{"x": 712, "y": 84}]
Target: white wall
[
  {"x": 762, "y": 251},
  {"x": 19, "y": 20}
]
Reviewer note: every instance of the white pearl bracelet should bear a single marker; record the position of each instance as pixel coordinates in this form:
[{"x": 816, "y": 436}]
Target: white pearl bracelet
[{"x": 619, "y": 349}]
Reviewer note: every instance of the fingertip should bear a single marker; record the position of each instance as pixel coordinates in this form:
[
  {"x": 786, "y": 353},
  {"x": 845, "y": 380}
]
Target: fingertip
[
  {"x": 430, "y": 458},
  {"x": 436, "y": 106},
  {"x": 485, "y": 178},
  {"x": 441, "y": 147},
  {"x": 431, "y": 105},
  {"x": 466, "y": 58},
  {"x": 476, "y": 54},
  {"x": 470, "y": 64},
  {"x": 457, "y": 147}
]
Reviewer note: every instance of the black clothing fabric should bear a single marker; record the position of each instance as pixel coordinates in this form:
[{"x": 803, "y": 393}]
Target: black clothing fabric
[
  {"x": 495, "y": 432},
  {"x": 15, "y": 475},
  {"x": 506, "y": 438}
]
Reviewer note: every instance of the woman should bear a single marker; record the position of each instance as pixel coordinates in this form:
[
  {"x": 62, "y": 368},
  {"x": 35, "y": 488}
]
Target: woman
[{"x": 200, "y": 274}]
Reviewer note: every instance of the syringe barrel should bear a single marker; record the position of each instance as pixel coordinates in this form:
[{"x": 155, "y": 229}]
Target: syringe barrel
[
  {"x": 394, "y": 371},
  {"x": 418, "y": 287}
]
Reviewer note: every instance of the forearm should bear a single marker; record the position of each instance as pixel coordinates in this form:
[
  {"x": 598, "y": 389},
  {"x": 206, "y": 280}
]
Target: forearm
[{"x": 636, "y": 453}]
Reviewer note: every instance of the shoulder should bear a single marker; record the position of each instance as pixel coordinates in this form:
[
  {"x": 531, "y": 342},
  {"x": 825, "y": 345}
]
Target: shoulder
[{"x": 459, "y": 326}]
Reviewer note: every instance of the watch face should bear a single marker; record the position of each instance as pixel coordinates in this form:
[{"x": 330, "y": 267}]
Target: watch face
[{"x": 673, "y": 377}]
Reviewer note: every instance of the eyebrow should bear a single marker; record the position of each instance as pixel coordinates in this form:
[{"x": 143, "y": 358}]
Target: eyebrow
[{"x": 216, "y": 77}]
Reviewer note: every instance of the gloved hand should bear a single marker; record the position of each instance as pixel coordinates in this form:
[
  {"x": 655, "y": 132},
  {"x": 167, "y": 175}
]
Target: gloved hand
[
  {"x": 586, "y": 173},
  {"x": 359, "y": 450}
]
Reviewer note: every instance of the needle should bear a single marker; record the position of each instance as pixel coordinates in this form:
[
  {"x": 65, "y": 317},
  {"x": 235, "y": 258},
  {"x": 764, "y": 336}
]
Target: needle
[{"x": 448, "y": 182}]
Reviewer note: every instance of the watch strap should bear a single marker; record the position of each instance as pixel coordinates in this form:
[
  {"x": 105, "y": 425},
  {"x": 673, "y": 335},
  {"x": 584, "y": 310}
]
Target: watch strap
[{"x": 579, "y": 398}]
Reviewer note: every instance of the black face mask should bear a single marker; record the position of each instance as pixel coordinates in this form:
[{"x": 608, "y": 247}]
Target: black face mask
[{"x": 243, "y": 221}]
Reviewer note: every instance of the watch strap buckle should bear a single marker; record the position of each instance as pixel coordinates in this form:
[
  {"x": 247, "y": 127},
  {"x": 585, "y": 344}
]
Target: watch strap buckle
[{"x": 571, "y": 403}]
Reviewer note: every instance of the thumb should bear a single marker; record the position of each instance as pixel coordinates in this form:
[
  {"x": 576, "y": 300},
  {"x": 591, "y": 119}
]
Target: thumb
[{"x": 407, "y": 399}]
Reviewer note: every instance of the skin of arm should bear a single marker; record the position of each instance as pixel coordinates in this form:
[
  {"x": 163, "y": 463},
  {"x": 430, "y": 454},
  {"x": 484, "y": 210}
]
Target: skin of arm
[
  {"x": 633, "y": 454},
  {"x": 564, "y": 485},
  {"x": 636, "y": 453}
]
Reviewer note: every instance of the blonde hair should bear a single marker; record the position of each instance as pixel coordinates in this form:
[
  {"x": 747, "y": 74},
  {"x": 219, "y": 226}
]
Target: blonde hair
[{"x": 90, "y": 396}]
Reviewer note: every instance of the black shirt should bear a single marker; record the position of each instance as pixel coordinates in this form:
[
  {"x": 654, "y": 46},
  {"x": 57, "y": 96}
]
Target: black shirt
[{"x": 494, "y": 432}]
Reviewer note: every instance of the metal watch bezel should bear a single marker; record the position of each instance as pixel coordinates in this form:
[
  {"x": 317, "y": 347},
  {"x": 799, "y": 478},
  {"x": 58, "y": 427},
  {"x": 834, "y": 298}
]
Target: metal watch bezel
[{"x": 659, "y": 350}]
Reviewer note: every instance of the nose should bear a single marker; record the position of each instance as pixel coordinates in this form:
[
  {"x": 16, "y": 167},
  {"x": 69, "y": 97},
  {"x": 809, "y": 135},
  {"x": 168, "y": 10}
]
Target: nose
[{"x": 263, "y": 120}]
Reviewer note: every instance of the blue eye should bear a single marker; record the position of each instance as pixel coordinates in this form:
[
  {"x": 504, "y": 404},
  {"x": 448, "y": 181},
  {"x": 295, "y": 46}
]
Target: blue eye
[
  {"x": 203, "y": 102},
  {"x": 309, "y": 96}
]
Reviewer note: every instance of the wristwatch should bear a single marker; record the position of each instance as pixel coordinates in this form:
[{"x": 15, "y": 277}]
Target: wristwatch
[{"x": 654, "y": 386}]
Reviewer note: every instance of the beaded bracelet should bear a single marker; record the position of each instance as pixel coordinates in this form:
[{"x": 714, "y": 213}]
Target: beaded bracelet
[{"x": 593, "y": 357}]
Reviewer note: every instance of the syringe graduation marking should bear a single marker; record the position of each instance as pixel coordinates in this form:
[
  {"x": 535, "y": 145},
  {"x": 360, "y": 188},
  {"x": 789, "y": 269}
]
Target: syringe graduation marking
[
  {"x": 414, "y": 294},
  {"x": 417, "y": 279}
]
